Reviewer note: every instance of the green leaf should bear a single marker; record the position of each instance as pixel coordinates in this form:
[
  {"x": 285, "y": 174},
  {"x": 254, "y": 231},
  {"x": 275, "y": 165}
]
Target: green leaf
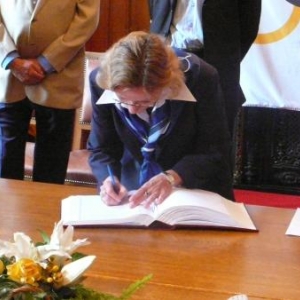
[
  {"x": 45, "y": 237},
  {"x": 127, "y": 293},
  {"x": 77, "y": 255},
  {"x": 12, "y": 290},
  {"x": 7, "y": 260}
]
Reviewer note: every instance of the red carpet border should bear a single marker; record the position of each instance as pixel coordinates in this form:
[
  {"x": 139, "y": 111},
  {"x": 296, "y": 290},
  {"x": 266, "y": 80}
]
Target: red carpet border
[{"x": 267, "y": 199}]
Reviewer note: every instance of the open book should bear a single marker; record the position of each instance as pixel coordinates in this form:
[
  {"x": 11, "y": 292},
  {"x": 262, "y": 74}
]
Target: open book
[
  {"x": 184, "y": 207},
  {"x": 294, "y": 226}
]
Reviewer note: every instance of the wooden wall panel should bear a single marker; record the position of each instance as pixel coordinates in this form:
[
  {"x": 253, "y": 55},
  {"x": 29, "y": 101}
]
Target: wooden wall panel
[
  {"x": 118, "y": 18},
  {"x": 140, "y": 18}
]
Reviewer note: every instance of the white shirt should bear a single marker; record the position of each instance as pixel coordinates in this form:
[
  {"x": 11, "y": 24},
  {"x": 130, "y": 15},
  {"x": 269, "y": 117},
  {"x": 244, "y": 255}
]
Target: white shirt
[
  {"x": 186, "y": 28},
  {"x": 184, "y": 94}
]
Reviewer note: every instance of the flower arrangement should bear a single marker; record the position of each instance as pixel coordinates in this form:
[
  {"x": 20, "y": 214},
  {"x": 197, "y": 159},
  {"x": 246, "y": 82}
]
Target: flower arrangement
[{"x": 49, "y": 270}]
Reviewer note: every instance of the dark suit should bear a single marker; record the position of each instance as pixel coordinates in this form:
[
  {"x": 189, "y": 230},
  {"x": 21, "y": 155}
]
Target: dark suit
[
  {"x": 57, "y": 30},
  {"x": 229, "y": 29},
  {"x": 196, "y": 145}
]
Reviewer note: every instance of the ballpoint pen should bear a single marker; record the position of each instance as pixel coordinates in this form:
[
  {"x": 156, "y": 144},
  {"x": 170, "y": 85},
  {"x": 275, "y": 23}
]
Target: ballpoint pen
[{"x": 113, "y": 181}]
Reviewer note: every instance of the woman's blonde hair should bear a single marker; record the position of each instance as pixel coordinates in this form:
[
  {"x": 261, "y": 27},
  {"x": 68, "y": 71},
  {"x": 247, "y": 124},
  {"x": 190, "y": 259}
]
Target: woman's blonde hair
[{"x": 141, "y": 59}]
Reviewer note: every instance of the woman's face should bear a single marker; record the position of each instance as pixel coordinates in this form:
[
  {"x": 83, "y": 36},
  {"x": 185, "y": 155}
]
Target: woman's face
[{"x": 135, "y": 99}]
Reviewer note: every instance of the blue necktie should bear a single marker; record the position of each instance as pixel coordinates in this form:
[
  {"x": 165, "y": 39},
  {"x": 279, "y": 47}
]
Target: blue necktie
[{"x": 148, "y": 135}]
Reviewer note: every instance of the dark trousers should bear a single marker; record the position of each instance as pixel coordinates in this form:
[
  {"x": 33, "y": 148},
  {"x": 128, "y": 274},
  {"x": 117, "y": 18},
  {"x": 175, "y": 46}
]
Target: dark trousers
[{"x": 54, "y": 134}]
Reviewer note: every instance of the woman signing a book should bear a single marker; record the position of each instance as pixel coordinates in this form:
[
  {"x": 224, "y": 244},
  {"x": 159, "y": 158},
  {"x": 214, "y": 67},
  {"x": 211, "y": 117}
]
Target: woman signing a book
[{"x": 158, "y": 122}]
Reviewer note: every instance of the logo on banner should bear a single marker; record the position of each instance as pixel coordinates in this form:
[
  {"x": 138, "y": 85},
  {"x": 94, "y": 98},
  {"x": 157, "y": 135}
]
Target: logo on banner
[{"x": 283, "y": 31}]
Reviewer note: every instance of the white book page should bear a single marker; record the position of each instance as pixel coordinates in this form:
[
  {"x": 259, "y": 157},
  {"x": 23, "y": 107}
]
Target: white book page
[
  {"x": 195, "y": 197},
  {"x": 203, "y": 207},
  {"x": 239, "y": 213},
  {"x": 182, "y": 207},
  {"x": 90, "y": 210},
  {"x": 294, "y": 226}
]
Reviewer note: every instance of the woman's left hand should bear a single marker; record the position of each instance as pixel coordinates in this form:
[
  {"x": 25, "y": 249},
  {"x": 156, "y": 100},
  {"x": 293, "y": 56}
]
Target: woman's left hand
[{"x": 157, "y": 189}]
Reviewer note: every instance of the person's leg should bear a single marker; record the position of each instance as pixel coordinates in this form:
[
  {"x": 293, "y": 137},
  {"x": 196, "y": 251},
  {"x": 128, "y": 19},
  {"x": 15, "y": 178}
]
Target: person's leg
[
  {"x": 14, "y": 123},
  {"x": 54, "y": 135}
]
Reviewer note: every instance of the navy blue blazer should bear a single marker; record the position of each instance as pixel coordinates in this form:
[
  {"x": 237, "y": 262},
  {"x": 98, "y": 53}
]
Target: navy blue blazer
[
  {"x": 229, "y": 29},
  {"x": 196, "y": 146}
]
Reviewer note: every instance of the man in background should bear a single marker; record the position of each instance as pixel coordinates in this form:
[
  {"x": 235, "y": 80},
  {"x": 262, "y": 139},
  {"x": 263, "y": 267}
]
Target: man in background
[
  {"x": 219, "y": 31},
  {"x": 42, "y": 68}
]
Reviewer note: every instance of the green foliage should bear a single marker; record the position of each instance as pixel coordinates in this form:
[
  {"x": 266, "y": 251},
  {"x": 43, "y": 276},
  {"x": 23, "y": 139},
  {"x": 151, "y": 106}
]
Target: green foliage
[
  {"x": 11, "y": 290},
  {"x": 45, "y": 237},
  {"x": 31, "y": 282},
  {"x": 127, "y": 293},
  {"x": 7, "y": 261},
  {"x": 77, "y": 255}
]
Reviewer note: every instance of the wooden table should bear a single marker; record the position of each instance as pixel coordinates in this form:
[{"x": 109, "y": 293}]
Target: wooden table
[{"x": 186, "y": 264}]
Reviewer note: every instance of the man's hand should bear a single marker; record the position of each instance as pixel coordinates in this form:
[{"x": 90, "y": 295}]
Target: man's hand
[{"x": 28, "y": 71}]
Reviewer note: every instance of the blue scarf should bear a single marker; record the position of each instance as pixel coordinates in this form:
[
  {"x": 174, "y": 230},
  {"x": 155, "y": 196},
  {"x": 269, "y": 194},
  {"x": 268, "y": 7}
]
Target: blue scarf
[{"x": 148, "y": 134}]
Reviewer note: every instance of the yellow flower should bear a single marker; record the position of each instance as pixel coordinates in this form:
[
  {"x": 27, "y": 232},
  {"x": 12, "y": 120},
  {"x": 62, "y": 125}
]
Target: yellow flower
[
  {"x": 25, "y": 271},
  {"x": 2, "y": 267}
]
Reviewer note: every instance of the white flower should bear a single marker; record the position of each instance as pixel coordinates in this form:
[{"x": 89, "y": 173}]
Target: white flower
[
  {"x": 61, "y": 243},
  {"x": 59, "y": 248},
  {"x": 23, "y": 247},
  {"x": 74, "y": 270}
]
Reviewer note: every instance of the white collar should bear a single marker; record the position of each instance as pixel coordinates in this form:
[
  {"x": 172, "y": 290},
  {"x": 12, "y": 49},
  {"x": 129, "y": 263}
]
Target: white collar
[{"x": 184, "y": 94}]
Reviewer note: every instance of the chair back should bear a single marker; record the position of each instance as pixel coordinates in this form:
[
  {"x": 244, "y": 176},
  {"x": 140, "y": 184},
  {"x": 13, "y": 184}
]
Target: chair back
[{"x": 84, "y": 113}]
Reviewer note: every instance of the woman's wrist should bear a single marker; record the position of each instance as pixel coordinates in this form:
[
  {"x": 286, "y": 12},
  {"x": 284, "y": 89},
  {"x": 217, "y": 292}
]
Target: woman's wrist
[{"x": 173, "y": 178}]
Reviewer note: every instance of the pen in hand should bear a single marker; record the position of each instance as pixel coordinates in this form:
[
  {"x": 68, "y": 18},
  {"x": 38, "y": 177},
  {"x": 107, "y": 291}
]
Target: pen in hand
[{"x": 113, "y": 181}]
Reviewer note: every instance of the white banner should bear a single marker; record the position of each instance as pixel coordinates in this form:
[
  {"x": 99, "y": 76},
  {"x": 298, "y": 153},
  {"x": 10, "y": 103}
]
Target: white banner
[{"x": 270, "y": 73}]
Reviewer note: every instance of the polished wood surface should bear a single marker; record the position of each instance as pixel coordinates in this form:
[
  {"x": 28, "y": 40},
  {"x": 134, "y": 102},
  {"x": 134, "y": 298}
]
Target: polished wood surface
[
  {"x": 186, "y": 264},
  {"x": 118, "y": 18}
]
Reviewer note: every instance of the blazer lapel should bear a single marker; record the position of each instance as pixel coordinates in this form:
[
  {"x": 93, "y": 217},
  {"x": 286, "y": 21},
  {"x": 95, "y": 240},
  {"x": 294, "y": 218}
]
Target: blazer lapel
[{"x": 175, "y": 113}]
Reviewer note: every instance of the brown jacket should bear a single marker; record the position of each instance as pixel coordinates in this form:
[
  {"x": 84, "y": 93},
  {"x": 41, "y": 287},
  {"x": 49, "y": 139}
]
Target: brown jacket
[{"x": 56, "y": 29}]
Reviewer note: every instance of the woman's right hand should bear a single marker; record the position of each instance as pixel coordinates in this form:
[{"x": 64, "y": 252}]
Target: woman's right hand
[{"x": 111, "y": 196}]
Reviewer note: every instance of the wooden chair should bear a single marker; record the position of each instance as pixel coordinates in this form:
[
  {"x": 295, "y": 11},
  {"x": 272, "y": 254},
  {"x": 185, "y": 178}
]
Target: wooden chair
[{"x": 79, "y": 171}]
